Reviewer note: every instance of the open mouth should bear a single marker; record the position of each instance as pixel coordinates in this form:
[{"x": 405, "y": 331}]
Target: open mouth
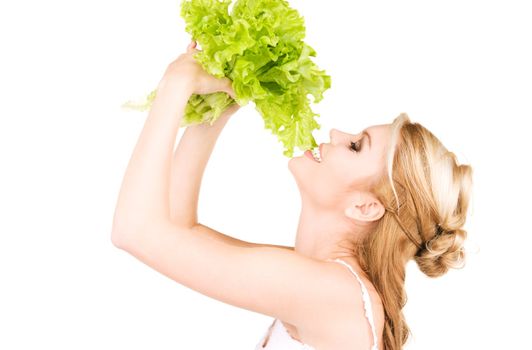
[{"x": 314, "y": 155}]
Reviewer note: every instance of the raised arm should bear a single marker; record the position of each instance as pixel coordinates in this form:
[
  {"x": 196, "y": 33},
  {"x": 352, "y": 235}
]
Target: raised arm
[
  {"x": 144, "y": 195},
  {"x": 188, "y": 165},
  {"x": 267, "y": 279},
  {"x": 142, "y": 198}
]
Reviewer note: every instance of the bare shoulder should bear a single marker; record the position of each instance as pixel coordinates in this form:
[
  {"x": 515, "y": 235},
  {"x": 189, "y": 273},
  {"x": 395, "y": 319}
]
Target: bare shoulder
[{"x": 345, "y": 326}]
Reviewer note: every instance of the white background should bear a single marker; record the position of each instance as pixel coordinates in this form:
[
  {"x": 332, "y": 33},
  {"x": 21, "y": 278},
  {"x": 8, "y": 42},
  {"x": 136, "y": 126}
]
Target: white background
[{"x": 461, "y": 68}]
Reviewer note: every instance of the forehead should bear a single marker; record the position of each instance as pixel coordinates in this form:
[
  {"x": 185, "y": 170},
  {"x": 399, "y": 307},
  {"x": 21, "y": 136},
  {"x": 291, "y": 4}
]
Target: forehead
[
  {"x": 380, "y": 133},
  {"x": 381, "y": 138}
]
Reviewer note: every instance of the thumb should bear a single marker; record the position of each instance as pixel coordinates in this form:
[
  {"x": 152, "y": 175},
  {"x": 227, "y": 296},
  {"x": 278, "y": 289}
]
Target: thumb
[
  {"x": 192, "y": 46},
  {"x": 227, "y": 86}
]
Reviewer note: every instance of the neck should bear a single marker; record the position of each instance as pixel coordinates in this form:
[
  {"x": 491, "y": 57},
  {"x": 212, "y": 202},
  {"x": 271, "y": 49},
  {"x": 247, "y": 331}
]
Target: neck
[{"x": 326, "y": 234}]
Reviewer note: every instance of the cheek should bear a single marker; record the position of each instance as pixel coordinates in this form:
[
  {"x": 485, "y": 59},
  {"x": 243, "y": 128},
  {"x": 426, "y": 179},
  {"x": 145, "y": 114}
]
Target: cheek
[
  {"x": 349, "y": 172},
  {"x": 339, "y": 171}
]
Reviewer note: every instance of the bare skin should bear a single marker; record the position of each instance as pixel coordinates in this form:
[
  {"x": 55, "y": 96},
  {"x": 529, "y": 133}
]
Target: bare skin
[
  {"x": 335, "y": 205},
  {"x": 156, "y": 221},
  {"x": 335, "y": 202}
]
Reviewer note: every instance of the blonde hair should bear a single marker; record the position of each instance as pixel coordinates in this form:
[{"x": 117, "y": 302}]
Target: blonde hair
[{"x": 426, "y": 195}]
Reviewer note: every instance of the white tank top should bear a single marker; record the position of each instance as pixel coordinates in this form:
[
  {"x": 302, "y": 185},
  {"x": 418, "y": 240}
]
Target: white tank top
[{"x": 278, "y": 337}]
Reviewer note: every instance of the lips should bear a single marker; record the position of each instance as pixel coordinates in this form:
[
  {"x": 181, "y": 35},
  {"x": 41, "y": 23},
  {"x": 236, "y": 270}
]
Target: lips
[
  {"x": 308, "y": 153},
  {"x": 315, "y": 154}
]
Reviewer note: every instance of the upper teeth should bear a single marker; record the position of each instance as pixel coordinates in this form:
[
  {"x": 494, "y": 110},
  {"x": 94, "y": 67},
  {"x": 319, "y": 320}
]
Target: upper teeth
[{"x": 316, "y": 154}]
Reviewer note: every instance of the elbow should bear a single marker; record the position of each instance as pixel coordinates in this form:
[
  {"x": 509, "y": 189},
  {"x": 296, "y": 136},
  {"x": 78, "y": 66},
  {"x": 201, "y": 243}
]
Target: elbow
[
  {"x": 117, "y": 239},
  {"x": 127, "y": 236},
  {"x": 120, "y": 236}
]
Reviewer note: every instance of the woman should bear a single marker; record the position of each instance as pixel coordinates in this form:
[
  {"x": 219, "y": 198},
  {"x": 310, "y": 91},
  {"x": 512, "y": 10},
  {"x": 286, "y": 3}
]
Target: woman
[{"x": 376, "y": 200}]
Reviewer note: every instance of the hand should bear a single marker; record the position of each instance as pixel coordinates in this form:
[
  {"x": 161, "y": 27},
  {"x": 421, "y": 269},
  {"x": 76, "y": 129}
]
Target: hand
[{"x": 185, "y": 69}]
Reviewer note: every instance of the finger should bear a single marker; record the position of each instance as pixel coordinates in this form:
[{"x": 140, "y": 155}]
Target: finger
[
  {"x": 231, "y": 93},
  {"x": 192, "y": 46},
  {"x": 228, "y": 87}
]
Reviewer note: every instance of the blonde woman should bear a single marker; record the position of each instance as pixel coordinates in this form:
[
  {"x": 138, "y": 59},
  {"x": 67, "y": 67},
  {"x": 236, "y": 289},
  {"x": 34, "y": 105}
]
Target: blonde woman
[{"x": 375, "y": 200}]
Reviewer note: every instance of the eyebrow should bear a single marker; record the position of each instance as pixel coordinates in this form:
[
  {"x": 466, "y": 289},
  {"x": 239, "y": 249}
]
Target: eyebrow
[{"x": 369, "y": 137}]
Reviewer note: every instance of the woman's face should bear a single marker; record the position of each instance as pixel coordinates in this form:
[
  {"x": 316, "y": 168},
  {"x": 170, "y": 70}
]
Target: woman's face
[{"x": 349, "y": 162}]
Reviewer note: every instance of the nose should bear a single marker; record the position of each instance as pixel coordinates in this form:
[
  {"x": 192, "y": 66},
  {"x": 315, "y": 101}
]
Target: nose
[{"x": 332, "y": 134}]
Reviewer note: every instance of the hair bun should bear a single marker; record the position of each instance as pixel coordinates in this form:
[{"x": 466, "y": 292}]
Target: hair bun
[{"x": 445, "y": 250}]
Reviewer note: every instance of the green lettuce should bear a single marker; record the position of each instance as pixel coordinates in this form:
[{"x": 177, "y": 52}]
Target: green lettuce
[{"x": 259, "y": 45}]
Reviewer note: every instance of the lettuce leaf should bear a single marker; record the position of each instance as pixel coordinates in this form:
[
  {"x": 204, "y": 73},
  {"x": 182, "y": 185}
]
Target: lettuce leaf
[{"x": 259, "y": 46}]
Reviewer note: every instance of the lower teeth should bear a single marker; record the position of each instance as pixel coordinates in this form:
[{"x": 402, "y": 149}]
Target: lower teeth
[{"x": 316, "y": 157}]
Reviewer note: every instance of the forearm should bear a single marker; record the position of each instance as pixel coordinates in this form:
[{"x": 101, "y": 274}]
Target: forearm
[
  {"x": 143, "y": 195},
  {"x": 188, "y": 165}
]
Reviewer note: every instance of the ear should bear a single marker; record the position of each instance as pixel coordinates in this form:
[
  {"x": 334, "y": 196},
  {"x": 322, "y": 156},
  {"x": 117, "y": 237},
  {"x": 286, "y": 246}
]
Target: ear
[{"x": 365, "y": 208}]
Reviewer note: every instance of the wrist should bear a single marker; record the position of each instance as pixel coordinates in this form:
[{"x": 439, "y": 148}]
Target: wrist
[{"x": 181, "y": 84}]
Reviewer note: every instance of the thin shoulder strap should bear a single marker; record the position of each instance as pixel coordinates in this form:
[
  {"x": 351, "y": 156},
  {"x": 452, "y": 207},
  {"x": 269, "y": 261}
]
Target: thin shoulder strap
[{"x": 367, "y": 302}]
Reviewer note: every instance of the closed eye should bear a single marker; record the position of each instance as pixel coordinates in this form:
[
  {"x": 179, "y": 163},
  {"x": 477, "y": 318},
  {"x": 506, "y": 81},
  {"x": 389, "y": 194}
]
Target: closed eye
[{"x": 356, "y": 146}]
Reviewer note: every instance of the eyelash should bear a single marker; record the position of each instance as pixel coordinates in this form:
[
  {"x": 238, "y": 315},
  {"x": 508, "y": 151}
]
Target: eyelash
[{"x": 353, "y": 146}]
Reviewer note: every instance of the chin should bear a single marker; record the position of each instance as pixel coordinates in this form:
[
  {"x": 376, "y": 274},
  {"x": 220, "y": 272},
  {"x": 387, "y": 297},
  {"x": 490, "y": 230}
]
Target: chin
[
  {"x": 298, "y": 166},
  {"x": 306, "y": 176},
  {"x": 301, "y": 161},
  {"x": 294, "y": 164}
]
